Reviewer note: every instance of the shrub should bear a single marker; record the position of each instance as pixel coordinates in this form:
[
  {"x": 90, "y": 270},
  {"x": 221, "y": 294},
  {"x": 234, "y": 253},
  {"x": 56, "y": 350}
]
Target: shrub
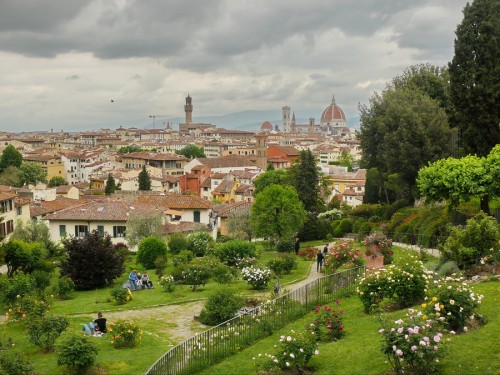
[
  {"x": 344, "y": 227},
  {"x": 404, "y": 285},
  {"x": 413, "y": 346},
  {"x": 44, "y": 330},
  {"x": 65, "y": 288},
  {"x": 177, "y": 243},
  {"x": 341, "y": 254},
  {"x": 479, "y": 238},
  {"x": 168, "y": 283},
  {"x": 28, "y": 307},
  {"x": 19, "y": 285},
  {"x": 245, "y": 262},
  {"x": 378, "y": 243},
  {"x": 258, "y": 278},
  {"x": 25, "y": 256},
  {"x": 223, "y": 274},
  {"x": 40, "y": 280},
  {"x": 285, "y": 246},
  {"x": 14, "y": 363},
  {"x": 76, "y": 352},
  {"x": 84, "y": 253},
  {"x": 309, "y": 252},
  {"x": 283, "y": 264},
  {"x": 198, "y": 272},
  {"x": 121, "y": 295},
  {"x": 327, "y": 324},
  {"x": 160, "y": 264},
  {"x": 200, "y": 243},
  {"x": 151, "y": 248},
  {"x": 451, "y": 299},
  {"x": 448, "y": 268},
  {"x": 228, "y": 252},
  {"x": 183, "y": 257},
  {"x": 220, "y": 306},
  {"x": 295, "y": 350},
  {"x": 125, "y": 333}
]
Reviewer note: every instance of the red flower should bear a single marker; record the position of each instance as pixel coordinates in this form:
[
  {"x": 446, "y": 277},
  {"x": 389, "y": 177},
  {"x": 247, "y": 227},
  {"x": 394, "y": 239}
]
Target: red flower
[
  {"x": 329, "y": 326},
  {"x": 341, "y": 311},
  {"x": 341, "y": 328},
  {"x": 337, "y": 302}
]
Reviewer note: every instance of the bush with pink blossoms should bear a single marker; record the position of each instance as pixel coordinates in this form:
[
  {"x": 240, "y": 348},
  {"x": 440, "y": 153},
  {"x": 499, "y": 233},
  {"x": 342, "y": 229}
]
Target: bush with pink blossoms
[{"x": 342, "y": 254}]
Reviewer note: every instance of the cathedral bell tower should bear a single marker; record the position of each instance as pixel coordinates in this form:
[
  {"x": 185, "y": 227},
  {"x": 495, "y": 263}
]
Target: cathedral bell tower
[
  {"x": 261, "y": 149},
  {"x": 188, "y": 109}
]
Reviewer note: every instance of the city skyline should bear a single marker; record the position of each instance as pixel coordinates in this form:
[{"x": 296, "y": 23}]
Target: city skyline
[{"x": 95, "y": 64}]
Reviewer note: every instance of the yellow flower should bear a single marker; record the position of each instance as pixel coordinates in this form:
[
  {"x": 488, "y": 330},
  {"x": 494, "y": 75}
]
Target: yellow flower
[
  {"x": 441, "y": 306},
  {"x": 424, "y": 305},
  {"x": 434, "y": 299},
  {"x": 437, "y": 314},
  {"x": 424, "y": 317}
]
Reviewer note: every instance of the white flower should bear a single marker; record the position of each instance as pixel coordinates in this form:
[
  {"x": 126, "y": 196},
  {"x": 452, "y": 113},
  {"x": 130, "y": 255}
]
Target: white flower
[
  {"x": 316, "y": 352},
  {"x": 287, "y": 364},
  {"x": 292, "y": 355},
  {"x": 289, "y": 338}
]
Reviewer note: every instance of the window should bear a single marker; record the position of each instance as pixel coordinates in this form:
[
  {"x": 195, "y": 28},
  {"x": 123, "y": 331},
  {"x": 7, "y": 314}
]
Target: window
[
  {"x": 62, "y": 230},
  {"x": 81, "y": 230},
  {"x": 19, "y": 211},
  {"x": 100, "y": 230},
  {"x": 196, "y": 216},
  {"x": 119, "y": 231}
]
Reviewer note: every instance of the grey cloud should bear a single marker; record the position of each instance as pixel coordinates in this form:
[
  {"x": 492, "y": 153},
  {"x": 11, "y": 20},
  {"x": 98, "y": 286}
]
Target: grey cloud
[{"x": 73, "y": 77}]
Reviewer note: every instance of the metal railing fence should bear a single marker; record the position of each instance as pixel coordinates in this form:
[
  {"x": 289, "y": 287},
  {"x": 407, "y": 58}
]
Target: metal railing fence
[{"x": 219, "y": 342}]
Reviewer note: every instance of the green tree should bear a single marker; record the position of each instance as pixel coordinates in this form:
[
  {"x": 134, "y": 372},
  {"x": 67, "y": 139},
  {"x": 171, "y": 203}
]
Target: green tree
[
  {"x": 238, "y": 224},
  {"x": 10, "y": 158},
  {"x": 374, "y": 187},
  {"x": 271, "y": 177},
  {"x": 459, "y": 180},
  {"x": 128, "y": 149},
  {"x": 192, "y": 152},
  {"x": 110, "y": 185},
  {"x": 304, "y": 176},
  {"x": 92, "y": 261},
  {"x": 475, "y": 77},
  {"x": 346, "y": 160},
  {"x": 401, "y": 131},
  {"x": 31, "y": 173},
  {"x": 56, "y": 181},
  {"x": 144, "y": 180},
  {"x": 277, "y": 213},
  {"x": 35, "y": 231},
  {"x": 23, "y": 256},
  {"x": 149, "y": 249},
  {"x": 10, "y": 177},
  {"x": 142, "y": 224}
]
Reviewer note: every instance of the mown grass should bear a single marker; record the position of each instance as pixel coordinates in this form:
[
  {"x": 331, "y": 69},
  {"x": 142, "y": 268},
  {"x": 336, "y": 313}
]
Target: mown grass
[
  {"x": 156, "y": 339},
  {"x": 476, "y": 352}
]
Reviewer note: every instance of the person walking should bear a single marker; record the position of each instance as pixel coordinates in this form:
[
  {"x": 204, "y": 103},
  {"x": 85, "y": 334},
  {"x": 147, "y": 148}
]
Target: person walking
[
  {"x": 325, "y": 250},
  {"x": 319, "y": 261},
  {"x": 297, "y": 246},
  {"x": 132, "y": 277}
]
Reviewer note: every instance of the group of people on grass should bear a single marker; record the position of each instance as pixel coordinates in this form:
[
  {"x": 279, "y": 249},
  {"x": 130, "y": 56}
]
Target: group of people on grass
[{"x": 138, "y": 281}]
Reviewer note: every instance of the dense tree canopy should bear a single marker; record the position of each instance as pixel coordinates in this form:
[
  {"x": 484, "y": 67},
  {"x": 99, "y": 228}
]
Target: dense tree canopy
[
  {"x": 277, "y": 213},
  {"x": 271, "y": 177},
  {"x": 401, "y": 131},
  {"x": 10, "y": 177},
  {"x": 459, "y": 180},
  {"x": 127, "y": 149},
  {"x": 144, "y": 180},
  {"x": 192, "y": 152},
  {"x": 110, "y": 185},
  {"x": 304, "y": 176},
  {"x": 475, "y": 77},
  {"x": 56, "y": 181},
  {"x": 92, "y": 261},
  {"x": 10, "y": 158},
  {"x": 143, "y": 224},
  {"x": 31, "y": 173}
]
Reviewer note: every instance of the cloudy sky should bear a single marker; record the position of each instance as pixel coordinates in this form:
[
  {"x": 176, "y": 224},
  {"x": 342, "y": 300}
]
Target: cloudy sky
[{"x": 62, "y": 63}]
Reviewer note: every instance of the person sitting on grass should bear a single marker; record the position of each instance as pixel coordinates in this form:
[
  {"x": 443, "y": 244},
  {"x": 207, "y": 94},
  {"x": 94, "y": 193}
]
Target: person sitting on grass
[
  {"x": 98, "y": 324},
  {"x": 145, "y": 281}
]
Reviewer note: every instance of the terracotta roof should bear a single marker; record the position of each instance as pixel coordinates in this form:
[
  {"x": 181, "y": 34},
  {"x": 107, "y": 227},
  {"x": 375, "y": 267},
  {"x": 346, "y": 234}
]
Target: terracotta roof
[
  {"x": 173, "y": 201},
  {"x": 226, "y": 162},
  {"x": 47, "y": 207},
  {"x": 94, "y": 211},
  {"x": 224, "y": 187},
  {"x": 227, "y": 209},
  {"x": 185, "y": 227},
  {"x": 207, "y": 182},
  {"x": 63, "y": 189},
  {"x": 5, "y": 196},
  {"x": 154, "y": 156},
  {"x": 288, "y": 150}
]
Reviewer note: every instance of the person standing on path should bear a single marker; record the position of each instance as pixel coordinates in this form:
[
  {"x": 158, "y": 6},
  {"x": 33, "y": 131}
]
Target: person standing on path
[
  {"x": 325, "y": 250},
  {"x": 297, "y": 246},
  {"x": 319, "y": 261}
]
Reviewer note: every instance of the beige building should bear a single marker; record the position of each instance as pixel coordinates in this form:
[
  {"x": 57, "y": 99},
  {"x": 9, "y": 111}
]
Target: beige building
[{"x": 51, "y": 164}]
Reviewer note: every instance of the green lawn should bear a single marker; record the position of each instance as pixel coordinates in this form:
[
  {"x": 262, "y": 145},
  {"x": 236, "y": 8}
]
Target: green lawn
[
  {"x": 359, "y": 351},
  {"x": 156, "y": 338}
]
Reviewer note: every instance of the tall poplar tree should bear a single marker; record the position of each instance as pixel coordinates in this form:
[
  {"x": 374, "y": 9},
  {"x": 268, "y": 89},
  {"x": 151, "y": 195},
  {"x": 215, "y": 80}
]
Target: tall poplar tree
[
  {"x": 304, "y": 176},
  {"x": 110, "y": 185},
  {"x": 475, "y": 77}
]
